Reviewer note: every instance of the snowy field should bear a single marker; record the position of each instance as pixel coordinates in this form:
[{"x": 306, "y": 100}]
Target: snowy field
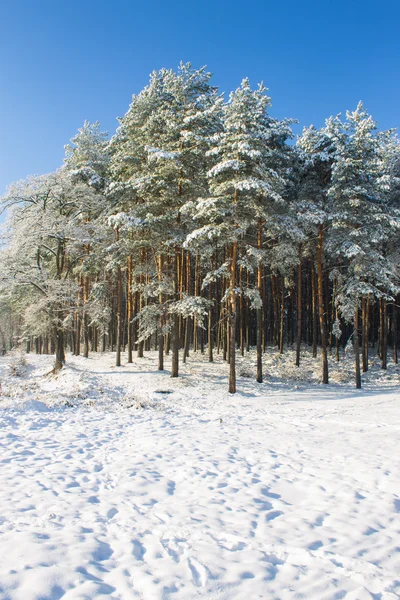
[{"x": 112, "y": 488}]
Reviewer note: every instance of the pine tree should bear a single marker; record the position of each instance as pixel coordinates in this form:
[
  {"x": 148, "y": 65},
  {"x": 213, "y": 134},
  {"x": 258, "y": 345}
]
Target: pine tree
[
  {"x": 318, "y": 152},
  {"x": 245, "y": 192},
  {"x": 361, "y": 219}
]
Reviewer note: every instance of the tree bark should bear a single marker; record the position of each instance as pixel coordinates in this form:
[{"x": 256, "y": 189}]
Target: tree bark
[
  {"x": 282, "y": 316},
  {"x": 210, "y": 323},
  {"x": 357, "y": 350},
  {"x": 365, "y": 331},
  {"x": 59, "y": 345},
  {"x": 161, "y": 318},
  {"x": 119, "y": 315},
  {"x": 321, "y": 305},
  {"x": 384, "y": 334},
  {"x": 314, "y": 310},
  {"x": 85, "y": 318},
  {"x": 175, "y": 323},
  {"x": 299, "y": 306},
  {"x": 395, "y": 353},
  {"x": 130, "y": 308},
  {"x": 259, "y": 309},
  {"x": 232, "y": 320}
]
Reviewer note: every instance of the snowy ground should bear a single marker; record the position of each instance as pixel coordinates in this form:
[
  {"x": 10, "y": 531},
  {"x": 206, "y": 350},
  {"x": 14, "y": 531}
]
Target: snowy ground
[{"x": 111, "y": 488}]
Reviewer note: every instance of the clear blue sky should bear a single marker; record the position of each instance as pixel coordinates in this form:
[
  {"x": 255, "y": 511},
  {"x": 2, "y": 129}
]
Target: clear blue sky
[{"x": 64, "y": 62}]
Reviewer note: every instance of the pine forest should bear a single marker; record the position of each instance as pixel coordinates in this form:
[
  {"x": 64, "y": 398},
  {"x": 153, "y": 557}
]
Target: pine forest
[{"x": 204, "y": 225}]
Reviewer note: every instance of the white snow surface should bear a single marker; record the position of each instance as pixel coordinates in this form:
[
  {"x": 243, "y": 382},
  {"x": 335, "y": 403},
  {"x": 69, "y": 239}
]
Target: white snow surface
[{"x": 111, "y": 487}]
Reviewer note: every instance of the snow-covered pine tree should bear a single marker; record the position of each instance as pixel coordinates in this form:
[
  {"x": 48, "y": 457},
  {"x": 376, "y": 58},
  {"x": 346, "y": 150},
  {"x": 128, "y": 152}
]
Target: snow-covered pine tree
[
  {"x": 87, "y": 162},
  {"x": 128, "y": 172},
  {"x": 159, "y": 157},
  {"x": 392, "y": 160},
  {"x": 362, "y": 222},
  {"x": 245, "y": 194},
  {"x": 318, "y": 154}
]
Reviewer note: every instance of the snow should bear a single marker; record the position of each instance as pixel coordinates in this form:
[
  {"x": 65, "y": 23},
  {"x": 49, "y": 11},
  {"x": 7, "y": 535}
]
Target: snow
[{"x": 124, "y": 483}]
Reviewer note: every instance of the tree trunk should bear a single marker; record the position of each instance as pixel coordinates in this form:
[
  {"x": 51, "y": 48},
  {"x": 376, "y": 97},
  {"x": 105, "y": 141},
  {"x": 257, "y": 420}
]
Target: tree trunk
[
  {"x": 210, "y": 337},
  {"x": 119, "y": 319},
  {"x": 186, "y": 340},
  {"x": 337, "y": 337},
  {"x": 247, "y": 308},
  {"x": 140, "y": 344},
  {"x": 85, "y": 318},
  {"x": 232, "y": 319},
  {"x": 59, "y": 345},
  {"x": 161, "y": 318},
  {"x": 381, "y": 328},
  {"x": 320, "y": 277},
  {"x": 299, "y": 306},
  {"x": 314, "y": 310},
  {"x": 119, "y": 315},
  {"x": 384, "y": 334},
  {"x": 395, "y": 357},
  {"x": 365, "y": 332},
  {"x": 175, "y": 346},
  {"x": 77, "y": 335},
  {"x": 282, "y": 316},
  {"x": 175, "y": 324},
  {"x": 241, "y": 311},
  {"x": 357, "y": 350},
  {"x": 259, "y": 309},
  {"x": 130, "y": 308}
]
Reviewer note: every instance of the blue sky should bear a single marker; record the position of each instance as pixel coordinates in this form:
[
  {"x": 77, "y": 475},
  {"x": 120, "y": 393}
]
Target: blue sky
[{"x": 64, "y": 62}]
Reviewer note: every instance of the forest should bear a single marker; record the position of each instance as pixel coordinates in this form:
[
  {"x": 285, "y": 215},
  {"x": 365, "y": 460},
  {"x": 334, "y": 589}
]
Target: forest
[{"x": 204, "y": 225}]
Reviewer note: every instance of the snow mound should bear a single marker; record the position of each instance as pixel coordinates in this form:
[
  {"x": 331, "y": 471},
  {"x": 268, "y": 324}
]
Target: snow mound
[{"x": 35, "y": 405}]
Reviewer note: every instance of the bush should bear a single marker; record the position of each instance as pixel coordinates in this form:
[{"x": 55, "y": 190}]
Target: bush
[{"x": 17, "y": 365}]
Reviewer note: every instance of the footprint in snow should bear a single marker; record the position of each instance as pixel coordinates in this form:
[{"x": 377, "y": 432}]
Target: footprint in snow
[
  {"x": 171, "y": 485},
  {"x": 198, "y": 572},
  {"x": 175, "y": 548},
  {"x": 138, "y": 550},
  {"x": 274, "y": 514}
]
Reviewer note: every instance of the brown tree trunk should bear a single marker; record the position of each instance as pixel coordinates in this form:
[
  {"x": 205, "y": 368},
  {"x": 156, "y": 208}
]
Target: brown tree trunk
[
  {"x": 282, "y": 316},
  {"x": 59, "y": 345},
  {"x": 161, "y": 319},
  {"x": 77, "y": 349},
  {"x": 140, "y": 345},
  {"x": 259, "y": 309},
  {"x": 210, "y": 337},
  {"x": 186, "y": 340},
  {"x": 357, "y": 350},
  {"x": 314, "y": 310},
  {"x": 175, "y": 322},
  {"x": 337, "y": 338},
  {"x": 130, "y": 308},
  {"x": 232, "y": 320},
  {"x": 299, "y": 306},
  {"x": 365, "y": 332},
  {"x": 241, "y": 311},
  {"x": 321, "y": 305},
  {"x": 395, "y": 356},
  {"x": 247, "y": 318},
  {"x": 381, "y": 328},
  {"x": 384, "y": 334},
  {"x": 119, "y": 319},
  {"x": 210, "y": 322},
  {"x": 85, "y": 318},
  {"x": 119, "y": 311}
]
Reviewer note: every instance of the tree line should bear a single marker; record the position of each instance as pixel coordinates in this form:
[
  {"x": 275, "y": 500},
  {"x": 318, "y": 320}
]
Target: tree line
[{"x": 203, "y": 225}]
